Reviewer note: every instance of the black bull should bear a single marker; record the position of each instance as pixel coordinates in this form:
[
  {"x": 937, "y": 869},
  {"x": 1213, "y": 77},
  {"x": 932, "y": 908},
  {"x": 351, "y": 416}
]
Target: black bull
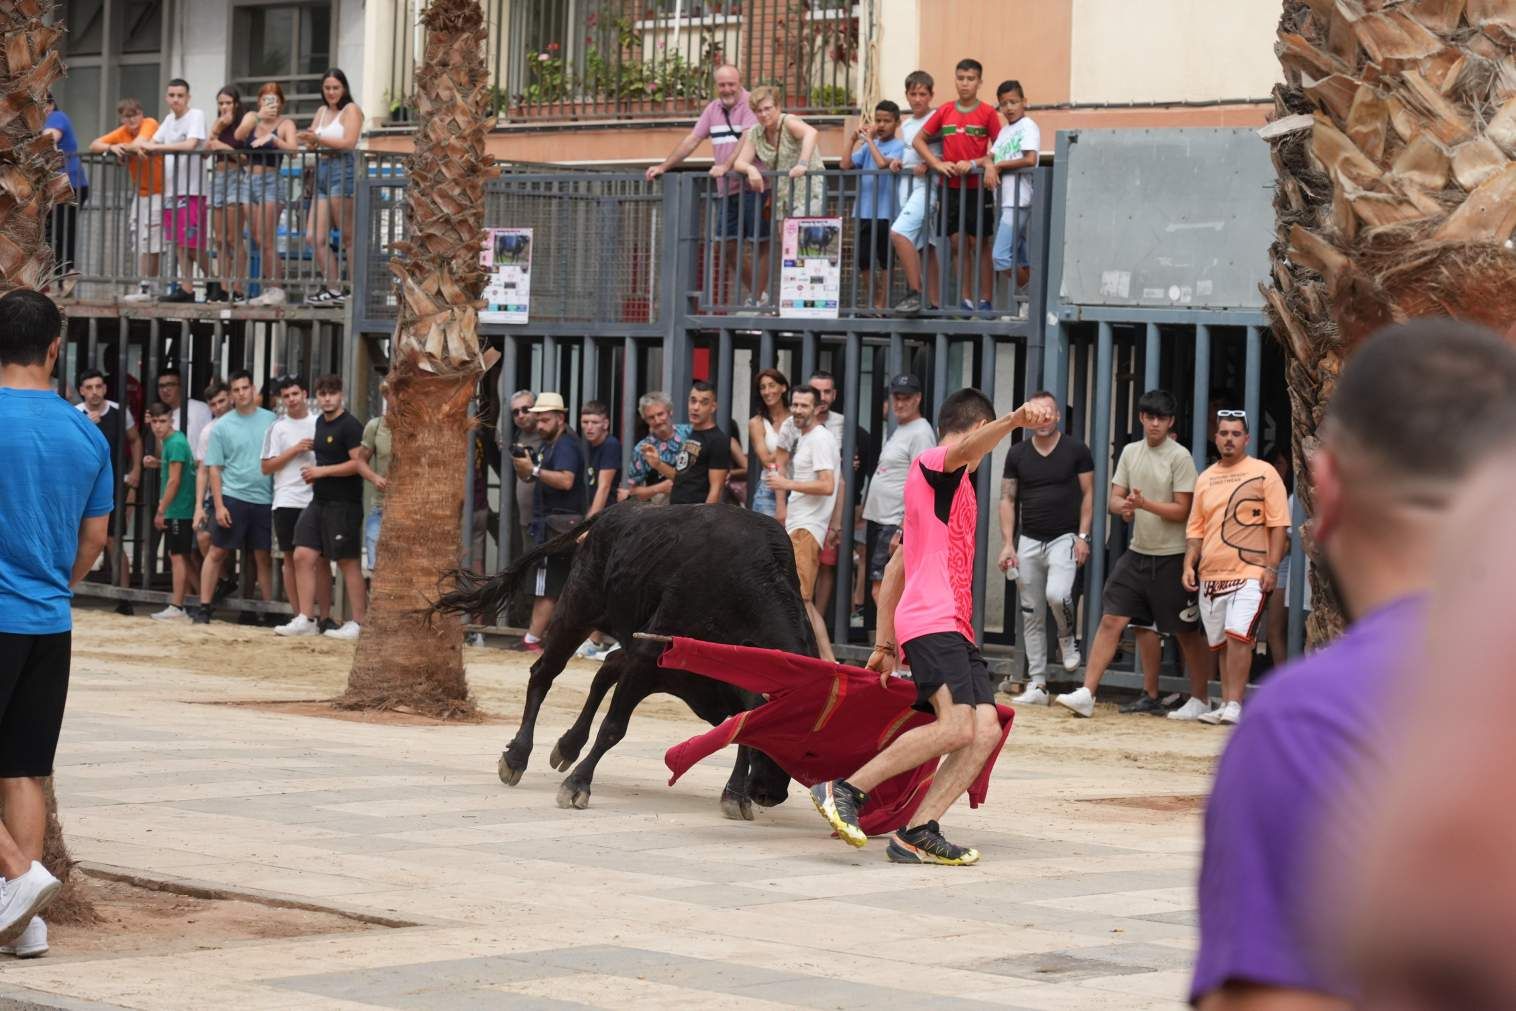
[{"x": 711, "y": 572}]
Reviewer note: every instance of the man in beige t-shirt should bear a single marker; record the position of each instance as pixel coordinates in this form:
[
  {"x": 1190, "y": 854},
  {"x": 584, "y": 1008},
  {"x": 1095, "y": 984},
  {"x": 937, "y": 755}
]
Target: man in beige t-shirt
[{"x": 1151, "y": 490}]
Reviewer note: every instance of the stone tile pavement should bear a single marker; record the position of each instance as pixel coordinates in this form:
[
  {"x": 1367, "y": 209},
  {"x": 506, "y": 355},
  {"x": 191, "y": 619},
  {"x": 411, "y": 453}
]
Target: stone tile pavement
[{"x": 646, "y": 899}]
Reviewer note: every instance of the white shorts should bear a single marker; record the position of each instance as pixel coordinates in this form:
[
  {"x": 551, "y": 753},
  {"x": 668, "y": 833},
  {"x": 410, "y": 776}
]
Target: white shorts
[
  {"x": 915, "y": 218},
  {"x": 1231, "y": 609},
  {"x": 147, "y": 223}
]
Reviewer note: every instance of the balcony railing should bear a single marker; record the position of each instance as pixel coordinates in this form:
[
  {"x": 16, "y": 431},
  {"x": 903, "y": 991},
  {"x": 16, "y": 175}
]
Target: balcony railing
[{"x": 568, "y": 60}]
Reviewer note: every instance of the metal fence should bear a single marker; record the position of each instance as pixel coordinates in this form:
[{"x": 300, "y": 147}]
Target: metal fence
[{"x": 647, "y": 59}]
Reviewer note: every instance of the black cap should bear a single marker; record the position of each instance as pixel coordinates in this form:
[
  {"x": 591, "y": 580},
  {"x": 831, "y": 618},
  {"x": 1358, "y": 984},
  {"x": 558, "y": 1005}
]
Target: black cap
[{"x": 905, "y": 383}]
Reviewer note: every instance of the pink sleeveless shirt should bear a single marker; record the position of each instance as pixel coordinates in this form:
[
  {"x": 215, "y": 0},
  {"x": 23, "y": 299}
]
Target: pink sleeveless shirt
[{"x": 941, "y": 514}]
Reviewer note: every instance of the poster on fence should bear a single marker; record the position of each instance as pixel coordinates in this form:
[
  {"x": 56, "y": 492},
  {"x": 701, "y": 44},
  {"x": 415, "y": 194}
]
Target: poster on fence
[
  {"x": 810, "y": 280},
  {"x": 507, "y": 260}
]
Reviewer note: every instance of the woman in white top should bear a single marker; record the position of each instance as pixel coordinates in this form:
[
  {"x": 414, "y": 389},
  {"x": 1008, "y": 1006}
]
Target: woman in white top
[
  {"x": 763, "y": 432},
  {"x": 333, "y": 134}
]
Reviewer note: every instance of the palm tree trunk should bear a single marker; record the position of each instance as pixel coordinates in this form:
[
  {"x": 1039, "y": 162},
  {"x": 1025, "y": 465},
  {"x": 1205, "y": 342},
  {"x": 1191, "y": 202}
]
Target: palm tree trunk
[
  {"x": 31, "y": 182},
  {"x": 402, "y": 660},
  {"x": 1393, "y": 138}
]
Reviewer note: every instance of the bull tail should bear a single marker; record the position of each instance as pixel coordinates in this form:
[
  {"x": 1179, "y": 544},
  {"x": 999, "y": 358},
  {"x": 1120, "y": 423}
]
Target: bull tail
[{"x": 473, "y": 593}]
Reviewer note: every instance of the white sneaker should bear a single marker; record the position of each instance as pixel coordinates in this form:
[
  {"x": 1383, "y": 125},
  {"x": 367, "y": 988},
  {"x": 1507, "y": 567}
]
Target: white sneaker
[
  {"x": 1036, "y": 694},
  {"x": 1194, "y": 709},
  {"x": 472, "y": 639},
  {"x": 1229, "y": 714},
  {"x": 1213, "y": 717},
  {"x": 31, "y": 944},
  {"x": 24, "y": 898},
  {"x": 138, "y": 296},
  {"x": 347, "y": 630},
  {"x": 1069, "y": 650},
  {"x": 1079, "y": 702},
  {"x": 299, "y": 625},
  {"x": 271, "y": 296},
  {"x": 170, "y": 613}
]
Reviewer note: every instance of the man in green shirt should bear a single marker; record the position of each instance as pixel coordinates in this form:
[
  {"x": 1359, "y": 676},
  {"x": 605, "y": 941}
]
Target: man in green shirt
[
  {"x": 176, "y": 503},
  {"x": 374, "y": 467}
]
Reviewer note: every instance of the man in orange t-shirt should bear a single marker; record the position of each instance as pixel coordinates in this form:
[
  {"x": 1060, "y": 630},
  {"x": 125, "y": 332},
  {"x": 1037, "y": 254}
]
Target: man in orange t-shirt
[
  {"x": 1236, "y": 537},
  {"x": 147, "y": 202}
]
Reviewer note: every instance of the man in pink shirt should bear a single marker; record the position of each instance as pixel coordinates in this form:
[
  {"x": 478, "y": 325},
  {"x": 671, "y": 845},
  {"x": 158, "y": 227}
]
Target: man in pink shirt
[{"x": 926, "y": 604}]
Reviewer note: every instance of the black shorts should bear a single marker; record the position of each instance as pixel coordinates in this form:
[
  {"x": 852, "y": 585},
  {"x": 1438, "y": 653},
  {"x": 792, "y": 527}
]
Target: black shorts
[
  {"x": 552, "y": 574},
  {"x": 285, "y": 518},
  {"x": 878, "y": 537},
  {"x": 333, "y": 528},
  {"x": 179, "y": 536},
  {"x": 873, "y": 243},
  {"x": 33, "y": 688},
  {"x": 1149, "y": 589},
  {"x": 947, "y": 658},
  {"x": 252, "y": 526},
  {"x": 742, "y": 215},
  {"x": 968, "y": 212}
]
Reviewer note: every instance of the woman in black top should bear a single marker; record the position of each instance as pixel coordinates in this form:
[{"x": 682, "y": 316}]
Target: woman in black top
[
  {"x": 267, "y": 134},
  {"x": 228, "y": 197}
]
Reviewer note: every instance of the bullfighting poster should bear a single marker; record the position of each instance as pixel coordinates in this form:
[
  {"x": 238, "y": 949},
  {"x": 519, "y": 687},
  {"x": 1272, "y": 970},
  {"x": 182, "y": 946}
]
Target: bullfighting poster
[
  {"x": 507, "y": 260},
  {"x": 810, "y": 280}
]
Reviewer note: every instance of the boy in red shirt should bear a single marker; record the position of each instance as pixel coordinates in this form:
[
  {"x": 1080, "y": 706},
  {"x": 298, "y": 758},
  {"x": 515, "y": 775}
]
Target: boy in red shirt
[{"x": 967, "y": 127}]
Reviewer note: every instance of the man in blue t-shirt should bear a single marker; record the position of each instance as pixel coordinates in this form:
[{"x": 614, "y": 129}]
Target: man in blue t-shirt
[
  {"x": 558, "y": 503},
  {"x": 63, "y": 225},
  {"x": 56, "y": 495},
  {"x": 602, "y": 471},
  {"x": 243, "y": 496}
]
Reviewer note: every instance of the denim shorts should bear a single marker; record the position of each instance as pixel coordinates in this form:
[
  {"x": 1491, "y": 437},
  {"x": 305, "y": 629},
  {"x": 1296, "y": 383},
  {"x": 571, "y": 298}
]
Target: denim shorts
[
  {"x": 916, "y": 218},
  {"x": 371, "y": 535},
  {"x": 336, "y": 175},
  {"x": 229, "y": 187},
  {"x": 265, "y": 188}
]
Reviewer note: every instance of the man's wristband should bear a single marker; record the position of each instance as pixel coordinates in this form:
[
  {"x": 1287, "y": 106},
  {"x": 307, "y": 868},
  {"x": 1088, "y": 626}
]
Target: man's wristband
[{"x": 884, "y": 647}]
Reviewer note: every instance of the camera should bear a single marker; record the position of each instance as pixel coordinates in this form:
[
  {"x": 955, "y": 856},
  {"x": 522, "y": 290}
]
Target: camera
[{"x": 519, "y": 451}]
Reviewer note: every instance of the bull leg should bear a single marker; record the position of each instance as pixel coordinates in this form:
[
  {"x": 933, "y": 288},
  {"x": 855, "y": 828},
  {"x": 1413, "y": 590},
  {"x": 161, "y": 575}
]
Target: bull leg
[
  {"x": 735, "y": 803},
  {"x": 636, "y": 684},
  {"x": 572, "y": 742},
  {"x": 556, "y": 650}
]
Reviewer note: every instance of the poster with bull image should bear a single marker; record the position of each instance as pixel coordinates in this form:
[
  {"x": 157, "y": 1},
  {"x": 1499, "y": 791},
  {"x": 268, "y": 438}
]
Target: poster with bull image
[
  {"x": 507, "y": 260},
  {"x": 810, "y": 281}
]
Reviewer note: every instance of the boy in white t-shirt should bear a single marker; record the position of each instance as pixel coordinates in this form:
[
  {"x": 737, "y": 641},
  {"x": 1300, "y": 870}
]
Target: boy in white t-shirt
[
  {"x": 179, "y": 136},
  {"x": 1015, "y": 153},
  {"x": 812, "y": 491},
  {"x": 913, "y": 225},
  {"x": 289, "y": 445}
]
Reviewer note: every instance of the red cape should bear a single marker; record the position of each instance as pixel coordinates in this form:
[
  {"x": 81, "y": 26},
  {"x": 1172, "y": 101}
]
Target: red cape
[{"x": 822, "y": 721}]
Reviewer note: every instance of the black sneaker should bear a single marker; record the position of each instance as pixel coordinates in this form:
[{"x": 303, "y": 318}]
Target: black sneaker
[
  {"x": 179, "y": 295},
  {"x": 227, "y": 587},
  {"x": 200, "y": 615},
  {"x": 326, "y": 625},
  {"x": 215, "y": 293},
  {"x": 924, "y": 845},
  {"x": 1146, "y": 705},
  {"x": 909, "y": 305},
  {"x": 125, "y": 607},
  {"x": 839, "y": 801}
]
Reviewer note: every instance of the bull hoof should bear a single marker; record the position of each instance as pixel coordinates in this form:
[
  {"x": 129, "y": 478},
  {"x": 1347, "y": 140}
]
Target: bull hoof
[
  {"x": 561, "y": 759},
  {"x": 509, "y": 775},
  {"x": 571, "y": 797},
  {"x": 736, "y": 808}
]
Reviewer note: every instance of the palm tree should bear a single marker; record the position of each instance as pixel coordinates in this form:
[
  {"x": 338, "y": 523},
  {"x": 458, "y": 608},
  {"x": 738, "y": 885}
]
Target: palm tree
[
  {"x": 402, "y": 660},
  {"x": 32, "y": 180},
  {"x": 1393, "y": 137}
]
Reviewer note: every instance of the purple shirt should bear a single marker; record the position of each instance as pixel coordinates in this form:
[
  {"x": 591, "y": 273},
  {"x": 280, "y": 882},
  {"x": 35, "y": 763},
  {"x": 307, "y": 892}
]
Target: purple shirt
[
  {"x": 725, "y": 127},
  {"x": 1285, "y": 788}
]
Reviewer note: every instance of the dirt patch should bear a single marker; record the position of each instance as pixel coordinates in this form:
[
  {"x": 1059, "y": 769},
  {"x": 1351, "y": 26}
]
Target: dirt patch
[
  {"x": 139, "y": 915},
  {"x": 325, "y": 710},
  {"x": 1177, "y": 804}
]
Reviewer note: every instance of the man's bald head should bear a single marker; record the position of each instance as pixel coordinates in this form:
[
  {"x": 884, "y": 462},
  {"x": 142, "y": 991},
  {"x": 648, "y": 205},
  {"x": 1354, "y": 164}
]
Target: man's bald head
[{"x": 728, "y": 84}]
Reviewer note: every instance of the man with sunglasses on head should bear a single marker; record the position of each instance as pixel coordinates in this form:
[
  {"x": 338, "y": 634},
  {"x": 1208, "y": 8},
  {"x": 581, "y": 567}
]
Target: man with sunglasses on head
[
  {"x": 522, "y": 432},
  {"x": 1234, "y": 541}
]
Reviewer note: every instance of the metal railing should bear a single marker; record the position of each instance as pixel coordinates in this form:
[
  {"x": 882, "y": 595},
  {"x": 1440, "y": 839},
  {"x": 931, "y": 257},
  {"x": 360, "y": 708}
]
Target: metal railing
[
  {"x": 221, "y": 227},
  {"x": 558, "y": 60}
]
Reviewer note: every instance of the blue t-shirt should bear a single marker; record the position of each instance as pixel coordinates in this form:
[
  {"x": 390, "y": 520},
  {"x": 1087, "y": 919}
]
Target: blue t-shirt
[
  {"x": 606, "y": 456},
  {"x": 236, "y": 446},
  {"x": 1286, "y": 792},
  {"x": 56, "y": 472},
  {"x": 69, "y": 145},
  {"x": 876, "y": 190},
  {"x": 564, "y": 454}
]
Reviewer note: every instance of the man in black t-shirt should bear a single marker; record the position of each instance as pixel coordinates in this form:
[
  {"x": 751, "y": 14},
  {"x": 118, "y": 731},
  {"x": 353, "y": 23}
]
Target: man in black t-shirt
[
  {"x": 705, "y": 459},
  {"x": 1051, "y": 476},
  {"x": 558, "y": 504},
  {"x": 332, "y": 525},
  {"x": 602, "y": 472}
]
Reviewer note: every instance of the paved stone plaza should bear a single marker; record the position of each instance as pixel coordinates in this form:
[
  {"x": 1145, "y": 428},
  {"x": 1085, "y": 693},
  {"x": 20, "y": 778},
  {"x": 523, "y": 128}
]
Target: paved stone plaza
[{"x": 649, "y": 898}]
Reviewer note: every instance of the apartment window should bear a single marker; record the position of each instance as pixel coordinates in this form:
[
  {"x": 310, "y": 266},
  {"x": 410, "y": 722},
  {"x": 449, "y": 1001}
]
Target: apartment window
[
  {"x": 113, "y": 50},
  {"x": 289, "y": 43}
]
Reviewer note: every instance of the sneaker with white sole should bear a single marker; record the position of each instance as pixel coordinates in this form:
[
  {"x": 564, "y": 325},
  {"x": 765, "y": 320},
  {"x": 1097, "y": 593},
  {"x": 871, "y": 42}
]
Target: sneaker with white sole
[
  {"x": 1036, "y": 694},
  {"x": 23, "y": 898},
  {"x": 31, "y": 944},
  {"x": 171, "y": 613},
  {"x": 347, "y": 630},
  {"x": 1192, "y": 710},
  {"x": 1069, "y": 650},
  {"x": 299, "y": 625},
  {"x": 1228, "y": 713},
  {"x": 1080, "y": 702},
  {"x": 272, "y": 296},
  {"x": 138, "y": 296}
]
